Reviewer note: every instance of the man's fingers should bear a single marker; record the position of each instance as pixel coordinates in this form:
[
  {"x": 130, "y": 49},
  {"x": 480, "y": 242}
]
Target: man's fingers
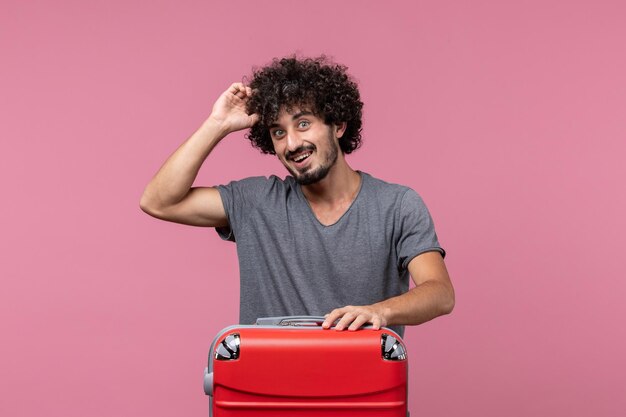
[
  {"x": 255, "y": 118},
  {"x": 331, "y": 317},
  {"x": 345, "y": 321},
  {"x": 234, "y": 87},
  {"x": 358, "y": 322},
  {"x": 353, "y": 318},
  {"x": 238, "y": 89}
]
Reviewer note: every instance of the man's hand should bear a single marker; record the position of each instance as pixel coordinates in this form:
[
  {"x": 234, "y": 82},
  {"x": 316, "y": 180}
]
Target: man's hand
[
  {"x": 353, "y": 317},
  {"x": 229, "y": 110}
]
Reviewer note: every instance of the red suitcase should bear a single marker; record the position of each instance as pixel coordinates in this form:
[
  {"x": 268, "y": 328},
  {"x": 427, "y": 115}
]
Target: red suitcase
[{"x": 290, "y": 366}]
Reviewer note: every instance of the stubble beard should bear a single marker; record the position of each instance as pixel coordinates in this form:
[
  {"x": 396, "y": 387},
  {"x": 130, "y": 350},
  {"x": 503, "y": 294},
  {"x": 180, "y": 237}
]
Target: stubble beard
[{"x": 312, "y": 176}]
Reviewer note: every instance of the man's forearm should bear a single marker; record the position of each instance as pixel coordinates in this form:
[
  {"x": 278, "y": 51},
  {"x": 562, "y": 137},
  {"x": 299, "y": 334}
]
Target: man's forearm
[
  {"x": 175, "y": 178},
  {"x": 421, "y": 304},
  {"x": 428, "y": 300}
]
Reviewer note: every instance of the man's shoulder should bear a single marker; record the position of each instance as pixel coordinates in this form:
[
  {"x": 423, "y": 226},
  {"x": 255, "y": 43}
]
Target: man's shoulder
[
  {"x": 258, "y": 191},
  {"x": 391, "y": 195},
  {"x": 259, "y": 182},
  {"x": 382, "y": 187}
]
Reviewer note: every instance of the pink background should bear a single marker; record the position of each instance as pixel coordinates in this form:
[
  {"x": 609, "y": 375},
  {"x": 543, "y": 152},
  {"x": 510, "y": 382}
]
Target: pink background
[{"x": 507, "y": 117}]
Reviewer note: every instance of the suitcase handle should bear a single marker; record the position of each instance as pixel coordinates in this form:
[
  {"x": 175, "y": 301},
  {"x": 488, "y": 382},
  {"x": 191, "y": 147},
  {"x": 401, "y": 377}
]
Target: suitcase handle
[{"x": 308, "y": 321}]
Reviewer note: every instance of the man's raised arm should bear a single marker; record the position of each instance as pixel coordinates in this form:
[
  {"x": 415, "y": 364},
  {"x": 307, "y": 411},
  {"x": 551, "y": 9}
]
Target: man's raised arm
[{"x": 169, "y": 195}]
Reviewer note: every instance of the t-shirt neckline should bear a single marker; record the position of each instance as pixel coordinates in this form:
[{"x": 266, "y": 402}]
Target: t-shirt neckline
[{"x": 345, "y": 213}]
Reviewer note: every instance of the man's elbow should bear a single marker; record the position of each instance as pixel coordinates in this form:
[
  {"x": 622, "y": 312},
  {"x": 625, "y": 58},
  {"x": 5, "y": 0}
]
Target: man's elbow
[
  {"x": 148, "y": 205},
  {"x": 451, "y": 303},
  {"x": 448, "y": 307},
  {"x": 448, "y": 301}
]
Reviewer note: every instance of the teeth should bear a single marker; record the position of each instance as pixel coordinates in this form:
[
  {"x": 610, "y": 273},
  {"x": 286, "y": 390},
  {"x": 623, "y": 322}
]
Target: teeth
[{"x": 302, "y": 157}]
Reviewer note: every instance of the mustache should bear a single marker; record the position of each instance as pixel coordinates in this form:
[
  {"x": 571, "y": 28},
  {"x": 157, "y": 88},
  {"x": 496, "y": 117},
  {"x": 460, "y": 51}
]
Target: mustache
[{"x": 301, "y": 149}]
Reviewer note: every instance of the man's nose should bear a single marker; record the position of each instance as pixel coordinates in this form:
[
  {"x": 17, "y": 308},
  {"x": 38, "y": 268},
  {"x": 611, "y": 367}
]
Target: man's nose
[{"x": 293, "y": 141}]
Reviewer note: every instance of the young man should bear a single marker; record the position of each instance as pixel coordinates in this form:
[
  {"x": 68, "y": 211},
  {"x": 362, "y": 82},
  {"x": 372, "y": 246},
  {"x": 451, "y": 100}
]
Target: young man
[{"x": 327, "y": 239}]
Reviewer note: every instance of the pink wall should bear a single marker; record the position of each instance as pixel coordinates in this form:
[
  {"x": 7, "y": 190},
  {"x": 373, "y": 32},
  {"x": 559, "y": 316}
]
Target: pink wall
[{"x": 507, "y": 117}]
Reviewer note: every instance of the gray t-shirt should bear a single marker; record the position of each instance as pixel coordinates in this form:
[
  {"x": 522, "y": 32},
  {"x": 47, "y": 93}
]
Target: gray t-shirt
[{"x": 291, "y": 264}]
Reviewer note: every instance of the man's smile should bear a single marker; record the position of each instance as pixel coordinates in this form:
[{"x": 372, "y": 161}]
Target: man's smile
[{"x": 300, "y": 157}]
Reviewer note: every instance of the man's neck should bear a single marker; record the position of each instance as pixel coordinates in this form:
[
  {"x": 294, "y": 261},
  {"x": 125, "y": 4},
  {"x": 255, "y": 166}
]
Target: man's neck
[{"x": 340, "y": 185}]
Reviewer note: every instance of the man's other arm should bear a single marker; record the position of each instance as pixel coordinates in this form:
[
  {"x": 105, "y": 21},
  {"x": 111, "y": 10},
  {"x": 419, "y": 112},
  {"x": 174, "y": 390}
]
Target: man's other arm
[
  {"x": 432, "y": 296},
  {"x": 169, "y": 195}
]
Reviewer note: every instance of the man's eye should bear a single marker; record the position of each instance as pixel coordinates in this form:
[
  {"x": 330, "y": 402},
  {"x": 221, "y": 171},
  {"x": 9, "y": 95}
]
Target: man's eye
[
  {"x": 278, "y": 133},
  {"x": 303, "y": 123}
]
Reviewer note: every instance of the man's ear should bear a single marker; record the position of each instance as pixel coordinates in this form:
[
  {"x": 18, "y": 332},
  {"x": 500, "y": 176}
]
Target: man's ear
[{"x": 340, "y": 129}]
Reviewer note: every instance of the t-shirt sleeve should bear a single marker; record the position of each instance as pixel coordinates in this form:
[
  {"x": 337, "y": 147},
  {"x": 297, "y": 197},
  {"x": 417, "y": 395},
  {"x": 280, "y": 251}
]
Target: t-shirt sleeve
[
  {"x": 417, "y": 230},
  {"x": 238, "y": 197}
]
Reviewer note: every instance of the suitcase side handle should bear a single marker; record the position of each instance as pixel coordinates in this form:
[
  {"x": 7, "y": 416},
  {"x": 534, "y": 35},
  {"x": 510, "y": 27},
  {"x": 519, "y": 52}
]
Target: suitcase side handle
[{"x": 308, "y": 321}]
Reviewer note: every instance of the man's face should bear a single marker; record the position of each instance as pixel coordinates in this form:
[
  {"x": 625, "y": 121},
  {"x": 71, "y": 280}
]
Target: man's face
[{"x": 305, "y": 145}]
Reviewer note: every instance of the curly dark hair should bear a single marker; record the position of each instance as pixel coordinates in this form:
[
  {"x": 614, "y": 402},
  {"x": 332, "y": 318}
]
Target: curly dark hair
[{"x": 322, "y": 86}]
